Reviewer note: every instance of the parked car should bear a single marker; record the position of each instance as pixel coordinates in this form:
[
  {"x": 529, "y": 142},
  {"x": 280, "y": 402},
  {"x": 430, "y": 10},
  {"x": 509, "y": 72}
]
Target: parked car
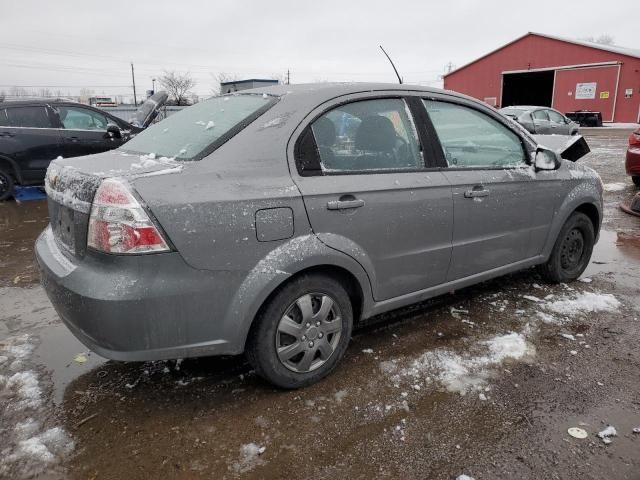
[
  {"x": 270, "y": 221},
  {"x": 34, "y": 132},
  {"x": 632, "y": 163},
  {"x": 542, "y": 120}
]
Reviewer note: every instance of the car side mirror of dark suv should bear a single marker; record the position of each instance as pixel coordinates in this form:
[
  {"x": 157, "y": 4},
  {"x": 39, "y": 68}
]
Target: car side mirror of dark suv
[
  {"x": 546, "y": 159},
  {"x": 113, "y": 131}
]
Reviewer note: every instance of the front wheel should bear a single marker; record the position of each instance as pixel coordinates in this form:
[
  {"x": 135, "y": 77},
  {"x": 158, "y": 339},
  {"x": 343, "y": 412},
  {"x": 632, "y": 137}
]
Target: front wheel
[
  {"x": 636, "y": 180},
  {"x": 6, "y": 185},
  {"x": 572, "y": 251},
  {"x": 302, "y": 333}
]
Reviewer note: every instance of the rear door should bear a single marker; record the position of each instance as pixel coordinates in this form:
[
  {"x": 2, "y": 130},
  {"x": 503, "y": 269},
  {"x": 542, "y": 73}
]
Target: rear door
[
  {"x": 503, "y": 209},
  {"x": 369, "y": 194},
  {"x": 558, "y": 124},
  {"x": 84, "y": 131},
  {"x": 541, "y": 122},
  {"x": 28, "y": 135}
]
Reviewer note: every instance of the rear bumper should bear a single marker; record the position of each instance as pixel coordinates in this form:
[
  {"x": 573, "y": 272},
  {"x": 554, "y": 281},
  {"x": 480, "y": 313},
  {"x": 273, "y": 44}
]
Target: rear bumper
[
  {"x": 142, "y": 307},
  {"x": 632, "y": 163}
]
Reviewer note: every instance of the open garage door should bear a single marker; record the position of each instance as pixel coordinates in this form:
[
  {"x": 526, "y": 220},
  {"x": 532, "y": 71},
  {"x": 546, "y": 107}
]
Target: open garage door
[
  {"x": 587, "y": 88},
  {"x": 527, "y": 88}
]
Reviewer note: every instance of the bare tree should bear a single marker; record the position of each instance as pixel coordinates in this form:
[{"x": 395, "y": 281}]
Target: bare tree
[{"x": 178, "y": 86}]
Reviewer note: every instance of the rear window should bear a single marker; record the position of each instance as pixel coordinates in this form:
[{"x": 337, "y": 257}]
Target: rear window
[
  {"x": 34, "y": 117},
  {"x": 197, "y": 130}
]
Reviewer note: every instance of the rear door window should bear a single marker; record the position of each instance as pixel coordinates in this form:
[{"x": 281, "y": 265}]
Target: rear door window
[
  {"x": 472, "y": 139},
  {"x": 541, "y": 115},
  {"x": 555, "y": 117},
  {"x": 78, "y": 118},
  {"x": 368, "y": 135},
  {"x": 32, "y": 117}
]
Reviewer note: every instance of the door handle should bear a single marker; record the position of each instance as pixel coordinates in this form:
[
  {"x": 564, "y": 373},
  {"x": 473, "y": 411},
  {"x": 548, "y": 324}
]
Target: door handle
[
  {"x": 476, "y": 192},
  {"x": 345, "y": 204},
  {"x": 73, "y": 139}
]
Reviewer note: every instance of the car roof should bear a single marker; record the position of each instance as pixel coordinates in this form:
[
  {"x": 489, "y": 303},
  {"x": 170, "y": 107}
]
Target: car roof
[
  {"x": 31, "y": 103},
  {"x": 307, "y": 94}
]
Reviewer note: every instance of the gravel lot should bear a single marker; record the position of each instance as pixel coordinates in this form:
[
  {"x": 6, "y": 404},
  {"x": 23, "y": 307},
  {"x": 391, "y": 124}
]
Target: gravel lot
[{"x": 485, "y": 382}]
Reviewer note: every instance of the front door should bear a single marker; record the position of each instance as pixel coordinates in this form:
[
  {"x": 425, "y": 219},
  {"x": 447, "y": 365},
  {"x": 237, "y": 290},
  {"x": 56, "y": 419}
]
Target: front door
[
  {"x": 373, "y": 199},
  {"x": 84, "y": 131},
  {"x": 503, "y": 209}
]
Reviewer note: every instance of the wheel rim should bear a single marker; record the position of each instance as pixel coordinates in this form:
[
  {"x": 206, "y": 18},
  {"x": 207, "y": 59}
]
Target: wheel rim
[
  {"x": 572, "y": 250},
  {"x": 309, "y": 332}
]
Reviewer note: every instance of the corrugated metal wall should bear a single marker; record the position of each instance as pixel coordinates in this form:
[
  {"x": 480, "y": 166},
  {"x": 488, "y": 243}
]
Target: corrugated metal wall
[{"x": 483, "y": 78}]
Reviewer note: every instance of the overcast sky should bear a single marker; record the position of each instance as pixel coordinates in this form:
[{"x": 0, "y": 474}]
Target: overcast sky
[{"x": 73, "y": 44}]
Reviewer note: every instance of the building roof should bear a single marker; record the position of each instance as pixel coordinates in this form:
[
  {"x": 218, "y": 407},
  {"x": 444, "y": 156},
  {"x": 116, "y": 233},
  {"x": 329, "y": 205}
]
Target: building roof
[{"x": 630, "y": 52}]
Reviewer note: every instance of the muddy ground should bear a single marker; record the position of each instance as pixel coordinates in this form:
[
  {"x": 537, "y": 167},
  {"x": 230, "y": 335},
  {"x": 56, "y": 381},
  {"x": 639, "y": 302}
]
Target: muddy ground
[{"x": 483, "y": 382}]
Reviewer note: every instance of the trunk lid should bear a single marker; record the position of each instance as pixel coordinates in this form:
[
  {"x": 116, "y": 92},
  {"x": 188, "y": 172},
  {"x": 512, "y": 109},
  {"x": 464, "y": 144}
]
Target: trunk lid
[
  {"x": 149, "y": 110},
  {"x": 72, "y": 183}
]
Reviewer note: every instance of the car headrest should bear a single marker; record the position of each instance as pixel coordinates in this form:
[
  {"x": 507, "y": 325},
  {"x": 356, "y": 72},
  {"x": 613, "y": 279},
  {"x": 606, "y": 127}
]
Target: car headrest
[
  {"x": 324, "y": 132},
  {"x": 376, "y": 133}
]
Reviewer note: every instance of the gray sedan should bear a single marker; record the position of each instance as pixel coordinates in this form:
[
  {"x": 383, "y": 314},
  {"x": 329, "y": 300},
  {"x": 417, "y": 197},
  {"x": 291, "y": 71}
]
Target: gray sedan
[
  {"x": 271, "y": 221},
  {"x": 541, "y": 120}
]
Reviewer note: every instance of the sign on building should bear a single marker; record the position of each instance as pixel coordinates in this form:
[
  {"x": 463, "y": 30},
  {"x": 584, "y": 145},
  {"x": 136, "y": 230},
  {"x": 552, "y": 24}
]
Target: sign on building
[{"x": 586, "y": 91}]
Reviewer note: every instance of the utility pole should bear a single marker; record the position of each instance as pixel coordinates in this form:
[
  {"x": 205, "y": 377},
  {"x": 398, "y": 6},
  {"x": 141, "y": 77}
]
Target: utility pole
[
  {"x": 449, "y": 67},
  {"x": 133, "y": 77},
  {"x": 288, "y": 76}
]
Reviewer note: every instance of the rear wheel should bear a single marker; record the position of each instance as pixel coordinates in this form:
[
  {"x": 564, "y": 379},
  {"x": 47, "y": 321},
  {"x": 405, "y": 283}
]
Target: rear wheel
[
  {"x": 302, "y": 333},
  {"x": 636, "y": 180},
  {"x": 6, "y": 185},
  {"x": 572, "y": 250}
]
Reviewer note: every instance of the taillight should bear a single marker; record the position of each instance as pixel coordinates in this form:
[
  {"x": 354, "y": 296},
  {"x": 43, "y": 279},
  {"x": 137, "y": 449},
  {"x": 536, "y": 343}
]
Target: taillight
[
  {"x": 634, "y": 139},
  {"x": 119, "y": 224}
]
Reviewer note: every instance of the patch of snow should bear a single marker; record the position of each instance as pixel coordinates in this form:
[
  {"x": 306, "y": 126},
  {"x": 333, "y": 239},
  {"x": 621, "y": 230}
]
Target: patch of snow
[
  {"x": 26, "y": 389},
  {"x": 606, "y": 434},
  {"x": 464, "y": 477},
  {"x": 249, "y": 458},
  {"x": 614, "y": 187},
  {"x": 367, "y": 350},
  {"x": 567, "y": 336},
  {"x": 462, "y": 372},
  {"x": 340, "y": 395},
  {"x": 585, "y": 280},
  {"x": 585, "y": 302},
  {"x": 210, "y": 125},
  {"x": 531, "y": 298}
]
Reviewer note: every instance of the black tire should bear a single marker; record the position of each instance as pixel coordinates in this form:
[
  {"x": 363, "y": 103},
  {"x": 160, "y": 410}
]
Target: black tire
[
  {"x": 6, "y": 185},
  {"x": 265, "y": 335},
  {"x": 636, "y": 180},
  {"x": 572, "y": 251}
]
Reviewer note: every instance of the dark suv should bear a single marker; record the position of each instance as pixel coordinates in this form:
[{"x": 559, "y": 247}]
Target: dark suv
[{"x": 35, "y": 132}]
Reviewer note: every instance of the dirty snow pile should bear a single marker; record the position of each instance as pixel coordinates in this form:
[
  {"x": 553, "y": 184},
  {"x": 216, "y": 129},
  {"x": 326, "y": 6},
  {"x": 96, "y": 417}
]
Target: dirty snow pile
[
  {"x": 29, "y": 448},
  {"x": 585, "y": 302},
  {"x": 461, "y": 372},
  {"x": 249, "y": 458}
]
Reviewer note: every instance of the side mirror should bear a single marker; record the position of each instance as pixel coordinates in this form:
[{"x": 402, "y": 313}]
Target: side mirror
[
  {"x": 546, "y": 159},
  {"x": 113, "y": 131}
]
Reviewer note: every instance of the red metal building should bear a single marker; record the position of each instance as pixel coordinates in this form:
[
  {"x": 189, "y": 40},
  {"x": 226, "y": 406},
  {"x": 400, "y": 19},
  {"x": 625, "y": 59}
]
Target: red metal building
[{"x": 568, "y": 75}]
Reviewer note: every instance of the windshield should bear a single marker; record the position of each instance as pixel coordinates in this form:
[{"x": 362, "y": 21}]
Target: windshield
[{"x": 195, "y": 131}]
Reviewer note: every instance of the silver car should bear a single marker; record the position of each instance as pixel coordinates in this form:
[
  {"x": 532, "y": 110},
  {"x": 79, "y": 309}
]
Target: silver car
[
  {"x": 272, "y": 221},
  {"x": 541, "y": 120}
]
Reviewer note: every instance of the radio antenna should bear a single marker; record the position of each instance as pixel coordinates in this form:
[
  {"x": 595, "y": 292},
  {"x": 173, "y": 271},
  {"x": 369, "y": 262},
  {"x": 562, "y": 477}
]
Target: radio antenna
[{"x": 391, "y": 62}]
